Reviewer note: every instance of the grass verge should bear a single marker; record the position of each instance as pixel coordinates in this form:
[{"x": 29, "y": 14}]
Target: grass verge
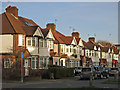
[{"x": 112, "y": 81}]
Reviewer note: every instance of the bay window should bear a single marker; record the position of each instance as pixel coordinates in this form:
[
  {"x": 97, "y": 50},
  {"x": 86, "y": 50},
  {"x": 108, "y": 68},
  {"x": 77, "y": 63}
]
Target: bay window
[
  {"x": 45, "y": 43},
  {"x": 74, "y": 50},
  {"x": 29, "y": 41},
  {"x": 41, "y": 42},
  {"x": 34, "y": 62},
  {"x": 67, "y": 50},
  {"x": 43, "y": 62},
  {"x": 32, "y": 41},
  {"x": 51, "y": 44}
]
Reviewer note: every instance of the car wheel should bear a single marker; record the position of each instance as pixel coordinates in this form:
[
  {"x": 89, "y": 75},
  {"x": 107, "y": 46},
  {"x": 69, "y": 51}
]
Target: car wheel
[
  {"x": 107, "y": 76},
  {"x": 96, "y": 76},
  {"x": 101, "y": 76},
  {"x": 93, "y": 78}
]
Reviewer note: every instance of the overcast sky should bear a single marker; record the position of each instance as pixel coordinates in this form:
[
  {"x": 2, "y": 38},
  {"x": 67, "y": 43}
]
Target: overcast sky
[{"x": 93, "y": 18}]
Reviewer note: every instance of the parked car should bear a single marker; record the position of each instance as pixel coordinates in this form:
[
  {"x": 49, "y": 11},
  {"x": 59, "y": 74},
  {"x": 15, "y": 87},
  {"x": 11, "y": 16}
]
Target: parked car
[
  {"x": 108, "y": 69},
  {"x": 85, "y": 73},
  {"x": 114, "y": 71},
  {"x": 101, "y": 72},
  {"x": 77, "y": 70}
]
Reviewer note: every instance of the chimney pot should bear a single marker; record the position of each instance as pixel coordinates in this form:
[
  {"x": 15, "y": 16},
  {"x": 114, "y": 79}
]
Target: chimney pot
[
  {"x": 75, "y": 34},
  {"x": 51, "y": 25},
  {"x": 13, "y": 10},
  {"x": 92, "y": 39}
]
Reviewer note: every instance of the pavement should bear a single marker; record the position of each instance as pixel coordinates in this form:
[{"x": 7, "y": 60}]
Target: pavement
[{"x": 73, "y": 82}]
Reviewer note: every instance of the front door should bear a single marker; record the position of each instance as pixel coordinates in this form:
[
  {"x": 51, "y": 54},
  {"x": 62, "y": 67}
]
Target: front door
[{"x": 26, "y": 67}]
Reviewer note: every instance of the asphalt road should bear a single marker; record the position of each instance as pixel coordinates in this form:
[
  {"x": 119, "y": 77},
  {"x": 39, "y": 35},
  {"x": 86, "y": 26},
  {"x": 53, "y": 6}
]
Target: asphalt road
[{"x": 58, "y": 83}]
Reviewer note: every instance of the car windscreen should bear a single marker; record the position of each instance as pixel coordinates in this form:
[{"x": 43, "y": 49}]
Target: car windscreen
[
  {"x": 114, "y": 68},
  {"x": 77, "y": 68},
  {"x": 86, "y": 69},
  {"x": 97, "y": 68}
]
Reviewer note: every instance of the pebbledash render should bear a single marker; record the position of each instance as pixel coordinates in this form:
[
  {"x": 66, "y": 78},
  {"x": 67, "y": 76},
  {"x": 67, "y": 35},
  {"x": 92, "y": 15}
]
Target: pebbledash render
[{"x": 47, "y": 47}]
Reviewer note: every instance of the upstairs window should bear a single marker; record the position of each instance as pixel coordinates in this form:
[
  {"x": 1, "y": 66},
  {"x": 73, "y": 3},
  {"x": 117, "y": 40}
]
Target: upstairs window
[
  {"x": 45, "y": 43},
  {"x": 32, "y": 41},
  {"x": 61, "y": 49},
  {"x": 41, "y": 42},
  {"x": 67, "y": 50},
  {"x": 70, "y": 49},
  {"x": 51, "y": 44},
  {"x": 89, "y": 53},
  {"x": 74, "y": 50},
  {"x": 86, "y": 53},
  {"x": 29, "y": 41},
  {"x": 21, "y": 40}
]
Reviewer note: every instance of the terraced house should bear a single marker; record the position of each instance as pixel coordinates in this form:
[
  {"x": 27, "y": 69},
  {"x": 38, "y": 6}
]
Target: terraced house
[
  {"x": 43, "y": 47},
  {"x": 100, "y": 54},
  {"x": 20, "y": 34}
]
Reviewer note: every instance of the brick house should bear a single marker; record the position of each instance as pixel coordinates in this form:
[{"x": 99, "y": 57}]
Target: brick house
[
  {"x": 20, "y": 34},
  {"x": 43, "y": 47}
]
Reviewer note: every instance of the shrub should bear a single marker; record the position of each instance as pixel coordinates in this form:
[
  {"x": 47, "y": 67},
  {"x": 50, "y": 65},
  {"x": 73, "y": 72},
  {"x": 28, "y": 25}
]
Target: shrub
[
  {"x": 13, "y": 73},
  {"x": 60, "y": 72}
]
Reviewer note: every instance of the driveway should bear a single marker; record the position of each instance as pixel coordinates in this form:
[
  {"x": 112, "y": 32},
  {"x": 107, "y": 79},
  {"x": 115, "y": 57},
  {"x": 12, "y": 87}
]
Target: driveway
[{"x": 59, "y": 83}]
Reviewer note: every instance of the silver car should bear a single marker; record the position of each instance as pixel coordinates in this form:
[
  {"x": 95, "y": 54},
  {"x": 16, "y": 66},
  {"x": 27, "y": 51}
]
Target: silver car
[
  {"x": 114, "y": 70},
  {"x": 87, "y": 72}
]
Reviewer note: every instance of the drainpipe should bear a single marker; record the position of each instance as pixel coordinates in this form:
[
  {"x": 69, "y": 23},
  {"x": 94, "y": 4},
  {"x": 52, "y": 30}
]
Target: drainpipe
[{"x": 13, "y": 43}]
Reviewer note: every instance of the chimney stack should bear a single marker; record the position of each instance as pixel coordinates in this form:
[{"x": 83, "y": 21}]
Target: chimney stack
[
  {"x": 75, "y": 34},
  {"x": 51, "y": 25},
  {"x": 92, "y": 39},
  {"x": 13, "y": 10}
]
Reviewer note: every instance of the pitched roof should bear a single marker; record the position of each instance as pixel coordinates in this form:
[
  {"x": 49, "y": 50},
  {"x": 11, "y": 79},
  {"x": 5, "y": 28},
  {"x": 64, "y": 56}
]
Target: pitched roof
[
  {"x": 45, "y": 31},
  {"x": 90, "y": 45},
  {"x": 68, "y": 39},
  {"x": 115, "y": 50},
  {"x": 29, "y": 30},
  {"x": 16, "y": 25},
  {"x": 24, "y": 20},
  {"x": 77, "y": 39},
  {"x": 58, "y": 37}
]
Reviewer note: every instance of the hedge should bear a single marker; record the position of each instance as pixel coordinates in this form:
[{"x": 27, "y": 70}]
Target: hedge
[{"x": 59, "y": 72}]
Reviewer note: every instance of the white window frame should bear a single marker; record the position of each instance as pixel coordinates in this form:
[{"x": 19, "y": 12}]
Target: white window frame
[
  {"x": 31, "y": 40},
  {"x": 8, "y": 62},
  {"x": 43, "y": 61},
  {"x": 35, "y": 60},
  {"x": 21, "y": 40}
]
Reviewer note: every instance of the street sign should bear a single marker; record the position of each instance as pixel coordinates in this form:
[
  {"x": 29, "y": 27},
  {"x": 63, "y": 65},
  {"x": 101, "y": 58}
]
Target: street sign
[{"x": 22, "y": 54}]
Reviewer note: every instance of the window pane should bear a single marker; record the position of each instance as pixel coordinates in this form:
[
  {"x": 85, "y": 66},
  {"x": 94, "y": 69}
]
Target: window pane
[
  {"x": 33, "y": 41},
  {"x": 29, "y": 41},
  {"x": 45, "y": 62},
  {"x": 36, "y": 42},
  {"x": 41, "y": 62},
  {"x": 22, "y": 40},
  {"x": 33, "y": 62},
  {"x": 36, "y": 62},
  {"x": 41, "y": 43},
  {"x": 45, "y": 43},
  {"x": 28, "y": 61}
]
